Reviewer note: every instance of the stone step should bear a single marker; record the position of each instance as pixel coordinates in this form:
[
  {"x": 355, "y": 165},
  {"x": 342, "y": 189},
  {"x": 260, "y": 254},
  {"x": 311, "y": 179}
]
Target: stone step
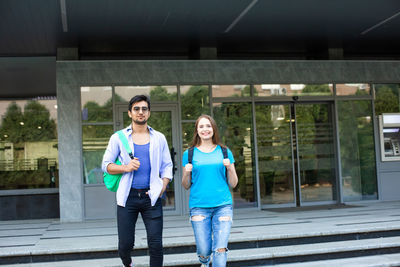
[
  {"x": 352, "y": 252},
  {"x": 386, "y": 260},
  {"x": 89, "y": 250}
]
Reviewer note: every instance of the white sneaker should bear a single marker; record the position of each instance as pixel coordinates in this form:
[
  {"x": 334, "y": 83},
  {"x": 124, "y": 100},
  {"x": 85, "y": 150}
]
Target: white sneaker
[{"x": 203, "y": 265}]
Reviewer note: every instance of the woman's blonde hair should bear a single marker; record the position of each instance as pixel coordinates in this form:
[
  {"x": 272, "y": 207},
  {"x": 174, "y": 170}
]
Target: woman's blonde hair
[{"x": 196, "y": 138}]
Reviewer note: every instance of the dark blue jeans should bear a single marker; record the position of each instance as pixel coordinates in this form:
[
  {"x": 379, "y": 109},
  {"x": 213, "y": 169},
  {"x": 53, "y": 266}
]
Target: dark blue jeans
[{"x": 139, "y": 202}]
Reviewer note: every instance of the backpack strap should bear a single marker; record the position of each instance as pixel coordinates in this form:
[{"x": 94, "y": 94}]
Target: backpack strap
[
  {"x": 125, "y": 143},
  {"x": 190, "y": 156},
  {"x": 190, "y": 159},
  {"x": 224, "y": 152}
]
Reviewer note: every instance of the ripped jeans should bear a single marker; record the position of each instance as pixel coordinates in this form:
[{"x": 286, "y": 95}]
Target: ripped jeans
[{"x": 211, "y": 227}]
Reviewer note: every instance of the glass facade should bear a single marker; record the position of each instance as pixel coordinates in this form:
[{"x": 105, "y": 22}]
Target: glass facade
[
  {"x": 28, "y": 144},
  {"x": 156, "y": 93},
  {"x": 234, "y": 121},
  {"x": 231, "y": 90},
  {"x": 293, "y": 90},
  {"x": 295, "y": 144},
  {"x": 355, "y": 89},
  {"x": 275, "y": 157},
  {"x": 387, "y": 98},
  {"x": 195, "y": 100},
  {"x": 97, "y": 127},
  {"x": 357, "y": 150},
  {"x": 315, "y": 151}
]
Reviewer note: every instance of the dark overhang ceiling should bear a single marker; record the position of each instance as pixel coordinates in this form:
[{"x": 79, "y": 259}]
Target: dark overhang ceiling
[
  {"x": 359, "y": 27},
  {"x": 235, "y": 29}
]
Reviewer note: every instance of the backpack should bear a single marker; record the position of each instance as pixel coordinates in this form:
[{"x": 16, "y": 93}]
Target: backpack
[
  {"x": 111, "y": 181},
  {"x": 224, "y": 152}
]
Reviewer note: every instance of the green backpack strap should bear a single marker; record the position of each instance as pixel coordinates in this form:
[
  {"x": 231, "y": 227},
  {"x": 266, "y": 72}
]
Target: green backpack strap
[{"x": 125, "y": 143}]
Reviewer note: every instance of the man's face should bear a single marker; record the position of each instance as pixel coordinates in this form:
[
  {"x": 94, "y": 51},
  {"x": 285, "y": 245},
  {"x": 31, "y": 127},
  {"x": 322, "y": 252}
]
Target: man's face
[{"x": 139, "y": 113}]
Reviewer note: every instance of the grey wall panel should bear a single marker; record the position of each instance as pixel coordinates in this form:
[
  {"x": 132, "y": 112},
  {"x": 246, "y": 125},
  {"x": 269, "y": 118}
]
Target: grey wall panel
[
  {"x": 96, "y": 207},
  {"x": 390, "y": 184}
]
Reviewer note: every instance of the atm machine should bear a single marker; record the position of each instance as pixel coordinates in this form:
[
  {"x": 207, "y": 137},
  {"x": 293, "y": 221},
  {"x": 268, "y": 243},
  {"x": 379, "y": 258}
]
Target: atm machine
[{"x": 389, "y": 134}]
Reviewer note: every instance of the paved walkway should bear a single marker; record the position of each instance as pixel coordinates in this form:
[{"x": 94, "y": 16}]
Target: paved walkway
[{"x": 35, "y": 237}]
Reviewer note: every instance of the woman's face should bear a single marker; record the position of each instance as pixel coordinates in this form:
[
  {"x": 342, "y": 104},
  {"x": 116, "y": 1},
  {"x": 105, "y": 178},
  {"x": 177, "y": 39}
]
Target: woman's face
[{"x": 204, "y": 129}]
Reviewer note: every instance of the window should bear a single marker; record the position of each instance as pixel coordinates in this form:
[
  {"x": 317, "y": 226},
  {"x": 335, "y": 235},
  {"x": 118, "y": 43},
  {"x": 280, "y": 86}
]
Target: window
[
  {"x": 387, "y": 98},
  {"x": 28, "y": 144},
  {"x": 293, "y": 90},
  {"x": 357, "y": 151},
  {"x": 237, "y": 90},
  {"x": 195, "y": 101},
  {"x": 156, "y": 93},
  {"x": 235, "y": 126},
  {"x": 97, "y": 127},
  {"x": 357, "y": 89}
]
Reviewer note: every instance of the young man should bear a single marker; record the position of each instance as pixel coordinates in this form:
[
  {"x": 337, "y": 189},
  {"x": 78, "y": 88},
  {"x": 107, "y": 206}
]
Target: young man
[{"x": 144, "y": 180}]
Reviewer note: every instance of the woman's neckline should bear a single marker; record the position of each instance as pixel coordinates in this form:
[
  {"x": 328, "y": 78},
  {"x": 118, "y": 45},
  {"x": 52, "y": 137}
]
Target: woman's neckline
[{"x": 208, "y": 151}]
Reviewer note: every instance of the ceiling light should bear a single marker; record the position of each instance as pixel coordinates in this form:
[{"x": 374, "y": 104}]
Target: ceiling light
[
  {"x": 230, "y": 27},
  {"x": 64, "y": 23},
  {"x": 380, "y": 23}
]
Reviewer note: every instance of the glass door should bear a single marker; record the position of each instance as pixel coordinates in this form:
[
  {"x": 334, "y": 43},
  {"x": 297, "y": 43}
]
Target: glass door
[
  {"x": 275, "y": 155},
  {"x": 296, "y": 158},
  {"x": 163, "y": 118},
  {"x": 315, "y": 153}
]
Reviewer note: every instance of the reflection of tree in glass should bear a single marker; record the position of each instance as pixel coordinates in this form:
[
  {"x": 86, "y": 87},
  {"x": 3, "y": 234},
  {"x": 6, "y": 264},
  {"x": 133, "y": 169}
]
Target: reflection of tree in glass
[
  {"x": 387, "y": 99},
  {"x": 233, "y": 121},
  {"x": 357, "y": 146},
  {"x": 195, "y": 102},
  {"x": 316, "y": 89},
  {"x": 20, "y": 128},
  {"x": 160, "y": 93},
  {"x": 93, "y": 112},
  {"x": 32, "y": 125}
]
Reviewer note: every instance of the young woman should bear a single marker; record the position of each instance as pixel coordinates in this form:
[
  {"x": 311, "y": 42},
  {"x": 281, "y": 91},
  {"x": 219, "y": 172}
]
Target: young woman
[{"x": 209, "y": 177}]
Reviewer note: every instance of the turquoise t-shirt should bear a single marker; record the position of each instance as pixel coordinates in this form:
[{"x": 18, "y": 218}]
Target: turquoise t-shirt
[{"x": 209, "y": 187}]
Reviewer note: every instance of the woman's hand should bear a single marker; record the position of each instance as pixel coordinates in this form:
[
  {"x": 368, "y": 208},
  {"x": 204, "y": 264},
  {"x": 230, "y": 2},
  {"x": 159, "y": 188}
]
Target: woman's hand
[
  {"x": 188, "y": 167},
  {"x": 187, "y": 177},
  {"x": 233, "y": 179}
]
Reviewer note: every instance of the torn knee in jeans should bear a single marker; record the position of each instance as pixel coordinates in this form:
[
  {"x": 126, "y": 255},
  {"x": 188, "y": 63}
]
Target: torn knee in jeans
[
  {"x": 197, "y": 218},
  {"x": 224, "y": 218},
  {"x": 221, "y": 250},
  {"x": 204, "y": 257}
]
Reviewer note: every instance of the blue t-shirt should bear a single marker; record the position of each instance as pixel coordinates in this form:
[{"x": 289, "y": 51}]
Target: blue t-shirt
[
  {"x": 141, "y": 177},
  {"x": 209, "y": 187}
]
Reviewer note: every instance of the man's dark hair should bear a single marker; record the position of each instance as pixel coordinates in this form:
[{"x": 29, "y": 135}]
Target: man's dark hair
[{"x": 138, "y": 98}]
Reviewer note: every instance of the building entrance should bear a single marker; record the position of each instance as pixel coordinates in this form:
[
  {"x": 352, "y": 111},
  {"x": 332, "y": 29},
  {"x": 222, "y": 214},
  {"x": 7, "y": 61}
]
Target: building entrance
[
  {"x": 163, "y": 118},
  {"x": 296, "y": 154}
]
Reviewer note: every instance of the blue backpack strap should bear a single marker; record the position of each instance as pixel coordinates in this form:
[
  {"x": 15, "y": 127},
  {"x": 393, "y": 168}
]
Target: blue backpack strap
[{"x": 125, "y": 143}]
